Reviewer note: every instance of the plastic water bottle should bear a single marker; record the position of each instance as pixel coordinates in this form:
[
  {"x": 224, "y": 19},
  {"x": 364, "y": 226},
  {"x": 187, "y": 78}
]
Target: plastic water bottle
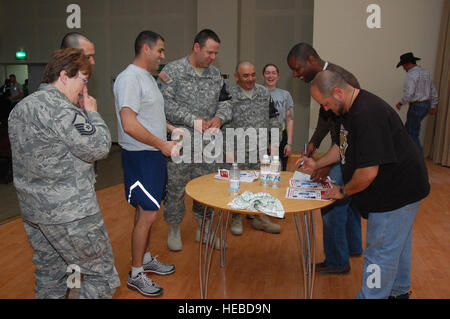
[
  {"x": 234, "y": 178},
  {"x": 275, "y": 172},
  {"x": 264, "y": 173}
]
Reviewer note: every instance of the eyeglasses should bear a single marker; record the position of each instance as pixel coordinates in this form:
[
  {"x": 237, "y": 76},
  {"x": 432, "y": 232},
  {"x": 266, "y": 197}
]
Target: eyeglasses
[{"x": 84, "y": 80}]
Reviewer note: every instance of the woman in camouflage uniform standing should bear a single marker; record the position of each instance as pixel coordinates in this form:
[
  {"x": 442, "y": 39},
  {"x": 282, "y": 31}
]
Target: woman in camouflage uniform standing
[{"x": 56, "y": 135}]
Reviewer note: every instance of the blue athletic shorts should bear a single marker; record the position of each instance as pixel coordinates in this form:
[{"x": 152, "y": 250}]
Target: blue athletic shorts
[{"x": 145, "y": 178}]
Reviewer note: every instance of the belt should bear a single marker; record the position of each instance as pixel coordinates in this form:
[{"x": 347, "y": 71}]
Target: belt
[{"x": 419, "y": 101}]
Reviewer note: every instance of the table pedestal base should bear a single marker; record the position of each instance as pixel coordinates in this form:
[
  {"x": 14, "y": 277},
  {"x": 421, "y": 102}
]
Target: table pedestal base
[
  {"x": 305, "y": 229},
  {"x": 304, "y": 223},
  {"x": 205, "y": 256}
]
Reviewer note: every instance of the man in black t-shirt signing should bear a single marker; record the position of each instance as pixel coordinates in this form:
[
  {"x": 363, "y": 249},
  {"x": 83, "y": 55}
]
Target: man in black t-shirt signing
[{"x": 385, "y": 174}]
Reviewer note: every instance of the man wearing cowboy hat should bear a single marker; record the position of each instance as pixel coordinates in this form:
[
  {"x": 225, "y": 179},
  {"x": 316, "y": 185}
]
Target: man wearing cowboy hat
[{"x": 419, "y": 92}]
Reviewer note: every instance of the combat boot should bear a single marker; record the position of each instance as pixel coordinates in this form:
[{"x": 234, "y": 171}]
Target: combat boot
[
  {"x": 174, "y": 239},
  {"x": 236, "y": 224},
  {"x": 262, "y": 222},
  {"x": 205, "y": 234}
]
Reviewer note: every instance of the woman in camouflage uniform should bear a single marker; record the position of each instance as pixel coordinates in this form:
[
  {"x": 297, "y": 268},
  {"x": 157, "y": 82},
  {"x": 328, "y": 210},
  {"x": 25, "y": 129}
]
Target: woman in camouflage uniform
[{"x": 56, "y": 135}]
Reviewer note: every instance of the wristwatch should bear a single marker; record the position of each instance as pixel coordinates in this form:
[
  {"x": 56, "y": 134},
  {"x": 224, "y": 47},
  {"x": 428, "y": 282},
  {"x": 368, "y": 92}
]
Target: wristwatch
[{"x": 341, "y": 190}]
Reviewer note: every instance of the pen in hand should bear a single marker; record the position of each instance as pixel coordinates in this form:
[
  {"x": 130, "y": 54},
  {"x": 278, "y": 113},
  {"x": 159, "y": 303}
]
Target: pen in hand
[{"x": 305, "y": 153}]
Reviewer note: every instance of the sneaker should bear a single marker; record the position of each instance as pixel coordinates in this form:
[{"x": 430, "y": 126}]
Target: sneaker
[
  {"x": 157, "y": 267},
  {"x": 236, "y": 224},
  {"x": 144, "y": 285},
  {"x": 262, "y": 222}
]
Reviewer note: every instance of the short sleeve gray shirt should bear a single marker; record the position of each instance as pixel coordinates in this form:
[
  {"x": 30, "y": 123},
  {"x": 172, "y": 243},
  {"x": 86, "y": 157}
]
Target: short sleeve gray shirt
[
  {"x": 136, "y": 88},
  {"x": 283, "y": 102},
  {"x": 16, "y": 89}
]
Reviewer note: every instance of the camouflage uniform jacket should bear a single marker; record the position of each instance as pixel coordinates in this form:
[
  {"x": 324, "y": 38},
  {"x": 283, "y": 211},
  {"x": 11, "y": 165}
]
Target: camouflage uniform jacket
[
  {"x": 188, "y": 96},
  {"x": 54, "y": 145},
  {"x": 251, "y": 113}
]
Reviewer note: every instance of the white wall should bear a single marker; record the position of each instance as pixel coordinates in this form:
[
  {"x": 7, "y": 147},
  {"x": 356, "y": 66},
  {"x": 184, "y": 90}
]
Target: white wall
[
  {"x": 342, "y": 36},
  {"x": 222, "y": 17}
]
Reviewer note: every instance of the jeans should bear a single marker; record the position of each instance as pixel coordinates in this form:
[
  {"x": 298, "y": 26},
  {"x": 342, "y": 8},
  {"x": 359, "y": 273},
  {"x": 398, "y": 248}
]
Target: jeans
[
  {"x": 416, "y": 113},
  {"x": 341, "y": 228},
  {"x": 388, "y": 247}
]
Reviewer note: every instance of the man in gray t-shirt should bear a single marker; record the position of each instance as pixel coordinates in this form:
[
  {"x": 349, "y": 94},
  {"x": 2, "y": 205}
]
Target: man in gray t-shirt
[
  {"x": 136, "y": 89},
  {"x": 142, "y": 134}
]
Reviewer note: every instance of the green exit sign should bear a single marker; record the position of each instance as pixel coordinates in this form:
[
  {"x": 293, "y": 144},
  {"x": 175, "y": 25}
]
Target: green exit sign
[{"x": 21, "y": 55}]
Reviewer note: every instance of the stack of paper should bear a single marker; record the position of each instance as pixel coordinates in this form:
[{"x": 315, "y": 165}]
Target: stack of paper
[
  {"x": 302, "y": 187},
  {"x": 309, "y": 184},
  {"x": 300, "y": 193}
]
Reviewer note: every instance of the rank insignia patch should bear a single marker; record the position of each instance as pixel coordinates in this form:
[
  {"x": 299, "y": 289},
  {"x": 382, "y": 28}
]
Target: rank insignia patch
[{"x": 83, "y": 126}]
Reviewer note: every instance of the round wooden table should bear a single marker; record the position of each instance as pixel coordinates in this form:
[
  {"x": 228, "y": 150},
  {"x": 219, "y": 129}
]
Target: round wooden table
[{"x": 214, "y": 193}]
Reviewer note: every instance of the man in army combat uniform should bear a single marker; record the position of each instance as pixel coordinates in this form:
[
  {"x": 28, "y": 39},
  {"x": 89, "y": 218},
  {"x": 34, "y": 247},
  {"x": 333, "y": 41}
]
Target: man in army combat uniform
[
  {"x": 193, "y": 91},
  {"x": 252, "y": 107},
  {"x": 55, "y": 137}
]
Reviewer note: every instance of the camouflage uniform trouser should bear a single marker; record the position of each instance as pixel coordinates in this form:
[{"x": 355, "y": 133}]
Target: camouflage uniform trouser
[
  {"x": 83, "y": 243},
  {"x": 178, "y": 176}
]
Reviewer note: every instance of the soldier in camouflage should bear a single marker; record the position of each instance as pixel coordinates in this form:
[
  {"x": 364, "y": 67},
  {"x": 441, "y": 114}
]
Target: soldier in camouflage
[
  {"x": 193, "y": 91},
  {"x": 252, "y": 108},
  {"x": 54, "y": 144}
]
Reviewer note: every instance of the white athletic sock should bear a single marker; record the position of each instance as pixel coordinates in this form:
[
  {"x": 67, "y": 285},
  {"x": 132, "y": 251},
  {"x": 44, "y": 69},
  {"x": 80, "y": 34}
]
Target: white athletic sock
[
  {"x": 147, "y": 257},
  {"x": 136, "y": 270}
]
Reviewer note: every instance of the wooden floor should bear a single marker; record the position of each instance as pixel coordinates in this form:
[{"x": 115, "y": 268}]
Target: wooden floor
[{"x": 259, "y": 265}]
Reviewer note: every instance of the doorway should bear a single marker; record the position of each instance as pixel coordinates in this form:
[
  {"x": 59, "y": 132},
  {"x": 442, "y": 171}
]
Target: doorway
[{"x": 26, "y": 74}]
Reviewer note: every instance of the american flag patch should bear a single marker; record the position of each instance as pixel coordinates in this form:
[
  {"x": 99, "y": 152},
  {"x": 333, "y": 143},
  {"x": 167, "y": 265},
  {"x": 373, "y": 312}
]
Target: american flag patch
[{"x": 164, "y": 76}]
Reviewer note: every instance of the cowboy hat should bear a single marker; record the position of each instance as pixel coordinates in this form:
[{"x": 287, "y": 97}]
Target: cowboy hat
[{"x": 407, "y": 57}]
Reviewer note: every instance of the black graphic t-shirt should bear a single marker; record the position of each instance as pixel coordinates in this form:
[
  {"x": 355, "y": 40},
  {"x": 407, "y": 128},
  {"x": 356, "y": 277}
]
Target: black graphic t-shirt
[{"x": 371, "y": 134}]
